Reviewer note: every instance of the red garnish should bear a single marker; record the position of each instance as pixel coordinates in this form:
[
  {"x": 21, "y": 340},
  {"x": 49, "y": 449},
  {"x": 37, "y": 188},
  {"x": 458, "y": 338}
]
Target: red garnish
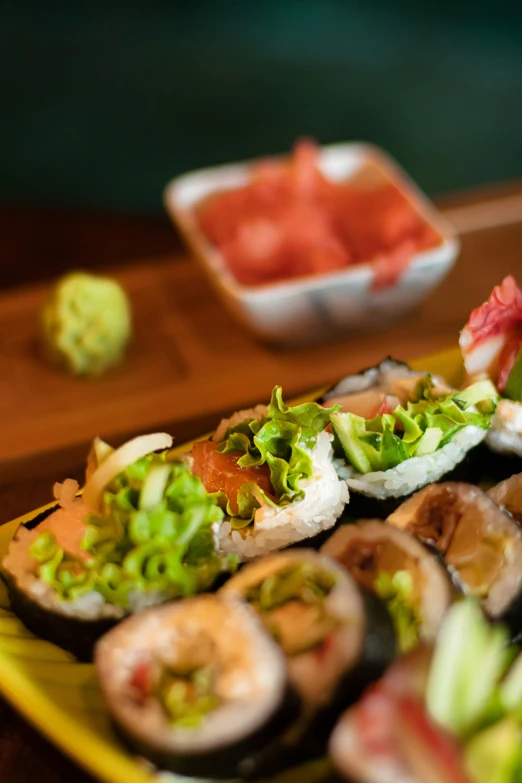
[
  {"x": 500, "y": 314},
  {"x": 290, "y": 221},
  {"x": 140, "y": 680},
  {"x": 221, "y": 473}
]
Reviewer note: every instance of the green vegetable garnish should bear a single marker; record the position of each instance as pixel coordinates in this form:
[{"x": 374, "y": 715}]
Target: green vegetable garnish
[
  {"x": 416, "y": 430},
  {"x": 494, "y": 755},
  {"x": 291, "y": 605},
  {"x": 513, "y": 389},
  {"x": 283, "y": 439},
  {"x": 188, "y": 697},
  {"x": 398, "y": 593},
  {"x": 154, "y": 533},
  {"x": 303, "y": 582},
  {"x": 469, "y": 661}
]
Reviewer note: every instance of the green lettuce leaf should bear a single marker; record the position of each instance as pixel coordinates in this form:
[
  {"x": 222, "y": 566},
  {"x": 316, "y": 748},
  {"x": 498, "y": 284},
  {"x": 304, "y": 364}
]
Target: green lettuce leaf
[
  {"x": 154, "y": 533},
  {"x": 416, "y": 430},
  {"x": 283, "y": 440}
]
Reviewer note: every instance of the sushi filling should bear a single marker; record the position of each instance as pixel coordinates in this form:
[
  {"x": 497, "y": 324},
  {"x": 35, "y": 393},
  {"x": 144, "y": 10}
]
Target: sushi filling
[
  {"x": 291, "y": 604},
  {"x": 481, "y": 545},
  {"x": 314, "y": 611},
  {"x": 385, "y": 570},
  {"x": 150, "y": 541},
  {"x": 192, "y": 676},
  {"x": 273, "y": 477},
  {"x": 396, "y": 452}
]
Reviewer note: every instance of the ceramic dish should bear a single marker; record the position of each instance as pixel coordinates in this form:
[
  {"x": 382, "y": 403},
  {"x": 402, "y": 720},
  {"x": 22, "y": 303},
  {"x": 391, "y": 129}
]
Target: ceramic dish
[{"x": 315, "y": 307}]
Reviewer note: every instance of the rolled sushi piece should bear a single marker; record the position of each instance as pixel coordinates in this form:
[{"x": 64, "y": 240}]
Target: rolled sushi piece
[
  {"x": 336, "y": 639},
  {"x": 141, "y": 534},
  {"x": 377, "y": 389},
  {"x": 491, "y": 346},
  {"x": 398, "y": 569},
  {"x": 431, "y": 718},
  {"x": 196, "y": 686},
  {"x": 424, "y": 436},
  {"x": 481, "y": 544},
  {"x": 508, "y": 495},
  {"x": 271, "y": 469}
]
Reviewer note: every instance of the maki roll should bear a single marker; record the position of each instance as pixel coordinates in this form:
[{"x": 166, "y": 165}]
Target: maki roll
[
  {"x": 141, "y": 534},
  {"x": 421, "y": 433},
  {"x": 508, "y": 495},
  {"x": 491, "y": 345},
  {"x": 401, "y": 571},
  {"x": 481, "y": 544},
  {"x": 376, "y": 389},
  {"x": 272, "y": 472},
  {"x": 335, "y": 639},
  {"x": 196, "y": 686},
  {"x": 431, "y": 718}
]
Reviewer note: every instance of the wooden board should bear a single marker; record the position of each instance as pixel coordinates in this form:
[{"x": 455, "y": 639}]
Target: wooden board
[{"x": 189, "y": 359}]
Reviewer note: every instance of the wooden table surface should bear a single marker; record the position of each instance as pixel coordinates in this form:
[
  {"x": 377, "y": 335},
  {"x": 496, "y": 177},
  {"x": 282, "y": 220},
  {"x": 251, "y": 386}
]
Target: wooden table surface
[{"x": 38, "y": 245}]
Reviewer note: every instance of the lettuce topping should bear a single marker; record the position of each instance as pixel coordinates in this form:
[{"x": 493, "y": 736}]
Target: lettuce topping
[
  {"x": 420, "y": 428},
  {"x": 283, "y": 440},
  {"x": 153, "y": 534},
  {"x": 398, "y": 593}
]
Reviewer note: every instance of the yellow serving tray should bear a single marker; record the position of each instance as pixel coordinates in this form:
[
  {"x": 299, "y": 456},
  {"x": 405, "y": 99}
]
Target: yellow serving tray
[{"x": 61, "y": 696}]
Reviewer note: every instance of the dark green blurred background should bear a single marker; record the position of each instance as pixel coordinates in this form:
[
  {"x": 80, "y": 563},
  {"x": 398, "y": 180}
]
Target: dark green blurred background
[{"x": 103, "y": 102}]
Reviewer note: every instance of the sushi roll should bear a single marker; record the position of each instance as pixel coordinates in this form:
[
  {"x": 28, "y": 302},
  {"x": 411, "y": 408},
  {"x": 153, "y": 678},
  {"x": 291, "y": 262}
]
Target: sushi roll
[
  {"x": 414, "y": 430},
  {"x": 141, "y": 534},
  {"x": 336, "y": 640},
  {"x": 508, "y": 495},
  {"x": 430, "y": 719},
  {"x": 401, "y": 571},
  {"x": 376, "y": 389},
  {"x": 197, "y": 686},
  {"x": 481, "y": 544},
  {"x": 491, "y": 346},
  {"x": 272, "y": 472}
]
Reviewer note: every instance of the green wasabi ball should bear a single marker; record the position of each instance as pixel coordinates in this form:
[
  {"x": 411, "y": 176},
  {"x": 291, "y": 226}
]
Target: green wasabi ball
[{"x": 86, "y": 323}]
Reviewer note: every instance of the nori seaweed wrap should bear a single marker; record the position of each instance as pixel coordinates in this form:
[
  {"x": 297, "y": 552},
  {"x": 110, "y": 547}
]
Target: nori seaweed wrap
[
  {"x": 196, "y": 686},
  {"x": 481, "y": 544},
  {"x": 336, "y": 639},
  {"x": 397, "y": 568}
]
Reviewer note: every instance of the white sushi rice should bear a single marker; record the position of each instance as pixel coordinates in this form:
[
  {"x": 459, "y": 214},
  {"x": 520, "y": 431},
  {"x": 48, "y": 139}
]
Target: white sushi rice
[
  {"x": 505, "y": 435},
  {"x": 274, "y": 528},
  {"x": 21, "y": 567},
  {"x": 414, "y": 473}
]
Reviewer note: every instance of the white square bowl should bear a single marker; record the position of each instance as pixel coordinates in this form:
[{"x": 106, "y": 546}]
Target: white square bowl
[{"x": 313, "y": 308}]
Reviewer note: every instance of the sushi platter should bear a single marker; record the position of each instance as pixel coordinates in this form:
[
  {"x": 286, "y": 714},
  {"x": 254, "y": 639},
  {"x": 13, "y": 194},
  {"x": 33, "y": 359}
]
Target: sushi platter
[{"x": 313, "y": 590}]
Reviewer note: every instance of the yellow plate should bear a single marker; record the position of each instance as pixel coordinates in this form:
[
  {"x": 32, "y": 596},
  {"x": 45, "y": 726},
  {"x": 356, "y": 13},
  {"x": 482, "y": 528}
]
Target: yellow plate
[{"x": 61, "y": 696}]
